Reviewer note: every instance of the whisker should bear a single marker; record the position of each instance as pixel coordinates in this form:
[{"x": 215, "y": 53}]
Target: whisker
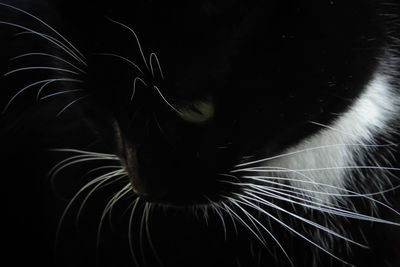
[
  {"x": 104, "y": 167},
  {"x": 259, "y": 237},
  {"x": 116, "y": 197},
  {"x": 70, "y": 104},
  {"x": 108, "y": 177},
  {"x": 136, "y": 38},
  {"x": 149, "y": 236},
  {"x": 65, "y": 163},
  {"x": 84, "y": 152},
  {"x": 153, "y": 55},
  {"x": 349, "y": 193},
  {"x": 72, "y": 201},
  {"x": 123, "y": 192},
  {"x": 45, "y": 24},
  {"x": 56, "y": 42},
  {"x": 61, "y": 93},
  {"x": 142, "y": 222},
  {"x": 308, "y": 150},
  {"x": 341, "y": 131},
  {"x": 314, "y": 224},
  {"x": 266, "y": 181},
  {"x": 123, "y": 58},
  {"x": 46, "y": 37},
  {"x": 42, "y": 88},
  {"x": 131, "y": 246},
  {"x": 249, "y": 204},
  {"x": 312, "y": 181},
  {"x": 166, "y": 101},
  {"x": 37, "y": 83},
  {"x": 230, "y": 216},
  {"x": 75, "y": 159},
  {"x": 219, "y": 214},
  {"x": 303, "y": 191},
  {"x": 266, "y": 230},
  {"x": 134, "y": 86},
  {"x": 321, "y": 207},
  {"x": 41, "y": 68},
  {"x": 48, "y": 55},
  {"x": 355, "y": 167}
]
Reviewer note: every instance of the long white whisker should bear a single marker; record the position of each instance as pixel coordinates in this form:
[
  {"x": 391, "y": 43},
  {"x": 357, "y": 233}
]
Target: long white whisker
[
  {"x": 117, "y": 196},
  {"x": 42, "y": 88},
  {"x": 134, "y": 86},
  {"x": 341, "y": 131},
  {"x": 314, "y": 224},
  {"x": 320, "y": 206},
  {"x": 45, "y": 24},
  {"x": 355, "y": 167},
  {"x": 153, "y": 55},
  {"x": 52, "y": 170},
  {"x": 166, "y": 101},
  {"x": 309, "y": 179},
  {"x": 349, "y": 194},
  {"x": 48, "y": 55},
  {"x": 71, "y": 161},
  {"x": 70, "y": 104},
  {"x": 307, "y": 150},
  {"x": 50, "y": 82},
  {"x": 303, "y": 191},
  {"x": 131, "y": 246},
  {"x": 136, "y": 38},
  {"x": 37, "y": 83},
  {"x": 103, "y": 168},
  {"x": 41, "y": 68},
  {"x": 262, "y": 241},
  {"x": 266, "y": 181},
  {"x": 141, "y": 241},
  {"x": 56, "y": 42},
  {"x": 249, "y": 204},
  {"x": 218, "y": 212},
  {"x": 72, "y": 201},
  {"x": 76, "y": 159},
  {"x": 60, "y": 93},
  {"x": 122, "y": 193},
  {"x": 46, "y": 37},
  {"x": 266, "y": 230},
  {"x": 118, "y": 174},
  {"x": 220, "y": 215},
  {"x": 123, "y": 58},
  {"x": 84, "y": 152},
  {"x": 230, "y": 216},
  {"x": 149, "y": 236}
]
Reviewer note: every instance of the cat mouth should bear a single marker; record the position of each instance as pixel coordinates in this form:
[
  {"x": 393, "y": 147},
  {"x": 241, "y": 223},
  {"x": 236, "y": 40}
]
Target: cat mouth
[
  {"x": 182, "y": 195},
  {"x": 181, "y": 189},
  {"x": 176, "y": 181}
]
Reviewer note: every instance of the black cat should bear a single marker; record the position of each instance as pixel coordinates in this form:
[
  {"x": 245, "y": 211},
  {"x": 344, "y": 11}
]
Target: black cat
[{"x": 201, "y": 133}]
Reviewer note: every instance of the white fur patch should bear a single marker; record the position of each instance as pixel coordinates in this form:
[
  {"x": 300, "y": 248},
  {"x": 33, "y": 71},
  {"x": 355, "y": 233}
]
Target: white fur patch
[{"x": 321, "y": 163}]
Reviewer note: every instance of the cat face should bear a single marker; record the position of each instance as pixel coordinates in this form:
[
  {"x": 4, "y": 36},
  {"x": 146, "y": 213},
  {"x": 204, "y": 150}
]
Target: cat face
[
  {"x": 212, "y": 84},
  {"x": 279, "y": 116}
]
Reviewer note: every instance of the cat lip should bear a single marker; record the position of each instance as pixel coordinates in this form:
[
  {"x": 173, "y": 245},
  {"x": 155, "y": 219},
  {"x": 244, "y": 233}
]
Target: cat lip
[
  {"x": 185, "y": 197},
  {"x": 176, "y": 201}
]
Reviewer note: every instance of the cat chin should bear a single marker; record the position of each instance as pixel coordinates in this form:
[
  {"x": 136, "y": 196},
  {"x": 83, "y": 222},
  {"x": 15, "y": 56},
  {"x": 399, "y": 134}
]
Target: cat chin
[{"x": 327, "y": 161}]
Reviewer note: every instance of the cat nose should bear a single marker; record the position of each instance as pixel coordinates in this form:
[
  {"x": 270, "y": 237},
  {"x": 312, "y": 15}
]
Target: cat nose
[{"x": 138, "y": 181}]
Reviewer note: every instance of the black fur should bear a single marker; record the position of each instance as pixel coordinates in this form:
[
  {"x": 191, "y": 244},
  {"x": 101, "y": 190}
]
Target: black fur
[{"x": 268, "y": 68}]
